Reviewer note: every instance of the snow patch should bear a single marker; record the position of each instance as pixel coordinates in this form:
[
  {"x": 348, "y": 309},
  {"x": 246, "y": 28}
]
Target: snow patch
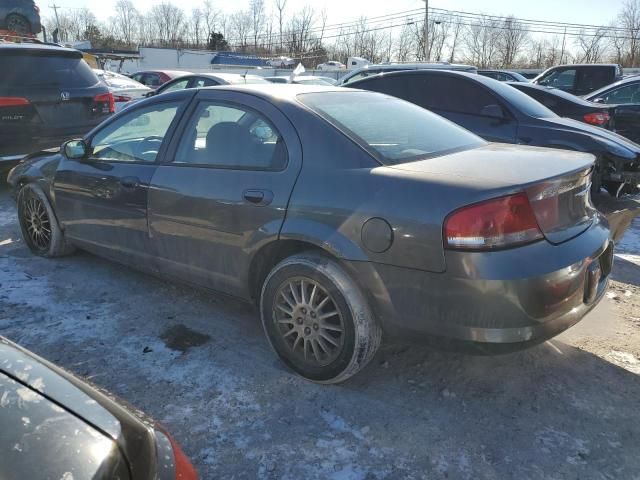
[{"x": 628, "y": 248}]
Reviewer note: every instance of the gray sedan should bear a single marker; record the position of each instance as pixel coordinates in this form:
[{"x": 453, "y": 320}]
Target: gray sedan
[{"x": 341, "y": 213}]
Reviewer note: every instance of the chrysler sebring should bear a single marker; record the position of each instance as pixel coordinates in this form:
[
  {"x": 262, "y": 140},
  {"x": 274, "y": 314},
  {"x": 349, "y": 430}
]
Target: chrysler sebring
[{"x": 341, "y": 213}]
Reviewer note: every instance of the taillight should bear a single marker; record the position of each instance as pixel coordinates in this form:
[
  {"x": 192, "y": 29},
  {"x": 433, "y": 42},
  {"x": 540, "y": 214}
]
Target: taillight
[
  {"x": 498, "y": 223},
  {"x": 106, "y": 98},
  {"x": 121, "y": 98},
  {"x": 13, "y": 101},
  {"x": 184, "y": 469},
  {"x": 596, "y": 118}
]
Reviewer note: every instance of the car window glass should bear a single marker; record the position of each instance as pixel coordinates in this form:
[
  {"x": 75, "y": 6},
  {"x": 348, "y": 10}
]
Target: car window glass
[
  {"x": 135, "y": 137},
  {"x": 177, "y": 85},
  {"x": 152, "y": 79},
  {"x": 393, "y": 131},
  {"x": 228, "y": 136},
  {"x": 563, "y": 79},
  {"x": 204, "y": 82},
  {"x": 45, "y": 71},
  {"x": 627, "y": 94},
  {"x": 591, "y": 79}
]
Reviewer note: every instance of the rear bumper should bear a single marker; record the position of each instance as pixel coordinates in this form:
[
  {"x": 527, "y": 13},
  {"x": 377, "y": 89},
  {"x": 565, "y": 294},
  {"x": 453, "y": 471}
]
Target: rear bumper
[{"x": 508, "y": 299}]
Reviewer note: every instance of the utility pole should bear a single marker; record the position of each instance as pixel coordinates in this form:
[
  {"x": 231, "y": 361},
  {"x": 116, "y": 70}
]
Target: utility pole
[
  {"x": 426, "y": 30},
  {"x": 55, "y": 9}
]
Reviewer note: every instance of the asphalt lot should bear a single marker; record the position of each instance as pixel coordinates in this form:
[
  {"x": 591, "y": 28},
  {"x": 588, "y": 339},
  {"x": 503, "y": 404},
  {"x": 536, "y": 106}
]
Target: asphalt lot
[{"x": 199, "y": 363}]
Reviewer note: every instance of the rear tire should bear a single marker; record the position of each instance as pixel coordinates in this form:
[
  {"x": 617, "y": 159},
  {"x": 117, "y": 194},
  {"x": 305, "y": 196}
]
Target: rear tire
[
  {"x": 297, "y": 305},
  {"x": 39, "y": 225}
]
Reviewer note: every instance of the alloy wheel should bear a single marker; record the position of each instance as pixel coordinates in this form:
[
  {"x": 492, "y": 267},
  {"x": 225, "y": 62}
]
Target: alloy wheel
[
  {"x": 36, "y": 223},
  {"x": 309, "y": 321}
]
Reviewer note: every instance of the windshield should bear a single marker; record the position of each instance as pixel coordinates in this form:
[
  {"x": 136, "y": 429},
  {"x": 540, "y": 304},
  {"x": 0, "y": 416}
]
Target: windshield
[
  {"x": 521, "y": 101},
  {"x": 392, "y": 130}
]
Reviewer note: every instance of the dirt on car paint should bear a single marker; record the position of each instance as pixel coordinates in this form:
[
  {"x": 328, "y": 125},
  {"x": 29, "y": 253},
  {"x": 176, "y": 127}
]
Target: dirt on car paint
[{"x": 565, "y": 409}]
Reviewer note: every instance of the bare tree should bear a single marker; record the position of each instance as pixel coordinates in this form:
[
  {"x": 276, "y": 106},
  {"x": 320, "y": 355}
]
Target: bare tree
[
  {"x": 456, "y": 29},
  {"x": 629, "y": 20},
  {"x": 256, "y": 10},
  {"x": 195, "y": 26},
  {"x": 210, "y": 17},
  {"x": 126, "y": 21},
  {"x": 280, "y": 6},
  {"x": 511, "y": 40},
  {"x": 591, "y": 47},
  {"x": 482, "y": 41},
  {"x": 240, "y": 23},
  {"x": 168, "y": 22}
]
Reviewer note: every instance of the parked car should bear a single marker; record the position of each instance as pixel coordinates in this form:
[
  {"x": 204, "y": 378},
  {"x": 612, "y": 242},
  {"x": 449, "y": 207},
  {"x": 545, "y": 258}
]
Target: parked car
[
  {"x": 20, "y": 16},
  {"x": 503, "y": 75},
  {"x": 579, "y": 79},
  {"x": 48, "y": 95},
  {"x": 397, "y": 220},
  {"x": 304, "y": 80},
  {"x": 567, "y": 105},
  {"x": 623, "y": 97},
  {"x": 331, "y": 66},
  {"x": 124, "y": 89},
  {"x": 500, "y": 113},
  {"x": 54, "y": 425},
  {"x": 371, "y": 70},
  {"x": 155, "y": 78},
  {"x": 281, "y": 62},
  {"x": 198, "y": 80}
]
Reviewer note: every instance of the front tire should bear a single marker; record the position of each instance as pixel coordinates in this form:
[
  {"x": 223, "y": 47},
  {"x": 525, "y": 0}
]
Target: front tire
[
  {"x": 38, "y": 223},
  {"x": 317, "y": 320}
]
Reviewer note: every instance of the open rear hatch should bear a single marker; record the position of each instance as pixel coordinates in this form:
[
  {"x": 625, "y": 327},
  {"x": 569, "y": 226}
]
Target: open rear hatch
[{"x": 562, "y": 205}]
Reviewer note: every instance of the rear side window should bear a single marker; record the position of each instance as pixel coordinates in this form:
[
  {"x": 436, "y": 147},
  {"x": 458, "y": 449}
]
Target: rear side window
[
  {"x": 392, "y": 130},
  {"x": 590, "y": 79},
  {"x": 436, "y": 92},
  {"x": 42, "y": 71},
  {"x": 230, "y": 136}
]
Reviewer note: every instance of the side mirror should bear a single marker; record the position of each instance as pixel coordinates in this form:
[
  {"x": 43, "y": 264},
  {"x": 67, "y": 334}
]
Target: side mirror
[
  {"x": 493, "y": 110},
  {"x": 150, "y": 93},
  {"x": 598, "y": 100},
  {"x": 75, "y": 149}
]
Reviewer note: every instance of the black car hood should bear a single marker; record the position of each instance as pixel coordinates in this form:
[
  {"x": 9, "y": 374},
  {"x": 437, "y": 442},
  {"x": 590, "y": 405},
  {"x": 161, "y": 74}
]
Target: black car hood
[{"x": 596, "y": 132}]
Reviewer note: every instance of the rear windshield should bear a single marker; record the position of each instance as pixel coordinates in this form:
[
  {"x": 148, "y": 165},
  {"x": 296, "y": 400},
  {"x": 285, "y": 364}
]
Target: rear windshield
[
  {"x": 43, "y": 71},
  {"x": 392, "y": 130},
  {"x": 553, "y": 92},
  {"x": 521, "y": 101}
]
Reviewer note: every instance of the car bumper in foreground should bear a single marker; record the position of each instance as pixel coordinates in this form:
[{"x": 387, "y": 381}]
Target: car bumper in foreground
[{"x": 505, "y": 299}]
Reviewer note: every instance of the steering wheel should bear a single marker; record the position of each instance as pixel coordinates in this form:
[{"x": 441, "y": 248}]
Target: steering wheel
[{"x": 149, "y": 147}]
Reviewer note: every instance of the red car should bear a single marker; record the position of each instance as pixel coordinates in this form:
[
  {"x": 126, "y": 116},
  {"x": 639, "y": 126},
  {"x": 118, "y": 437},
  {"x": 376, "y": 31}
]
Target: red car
[{"x": 155, "y": 78}]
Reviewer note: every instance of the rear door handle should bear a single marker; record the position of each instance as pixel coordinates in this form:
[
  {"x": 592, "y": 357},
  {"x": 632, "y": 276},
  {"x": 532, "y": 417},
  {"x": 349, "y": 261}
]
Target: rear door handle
[
  {"x": 258, "y": 197},
  {"x": 129, "y": 182}
]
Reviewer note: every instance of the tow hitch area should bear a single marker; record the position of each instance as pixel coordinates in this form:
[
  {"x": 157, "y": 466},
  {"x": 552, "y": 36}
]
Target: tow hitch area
[{"x": 620, "y": 211}]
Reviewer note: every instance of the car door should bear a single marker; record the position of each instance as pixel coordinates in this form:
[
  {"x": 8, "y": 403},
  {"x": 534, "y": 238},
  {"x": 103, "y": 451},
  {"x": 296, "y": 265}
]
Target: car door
[
  {"x": 101, "y": 200},
  {"x": 626, "y": 109},
  {"x": 223, "y": 190}
]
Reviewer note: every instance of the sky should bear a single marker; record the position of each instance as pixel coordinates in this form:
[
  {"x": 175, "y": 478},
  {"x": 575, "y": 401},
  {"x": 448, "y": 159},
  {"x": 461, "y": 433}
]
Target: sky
[{"x": 592, "y": 12}]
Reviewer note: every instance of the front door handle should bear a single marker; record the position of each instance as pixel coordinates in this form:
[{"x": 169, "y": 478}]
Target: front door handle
[
  {"x": 129, "y": 182},
  {"x": 258, "y": 197}
]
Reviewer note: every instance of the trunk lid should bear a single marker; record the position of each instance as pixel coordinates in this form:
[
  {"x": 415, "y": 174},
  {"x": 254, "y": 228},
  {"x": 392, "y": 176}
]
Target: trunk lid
[{"x": 557, "y": 182}]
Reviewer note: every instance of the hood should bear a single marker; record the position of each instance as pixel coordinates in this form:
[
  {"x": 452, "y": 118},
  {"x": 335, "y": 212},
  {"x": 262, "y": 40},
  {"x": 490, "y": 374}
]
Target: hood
[
  {"x": 503, "y": 165},
  {"x": 596, "y": 132}
]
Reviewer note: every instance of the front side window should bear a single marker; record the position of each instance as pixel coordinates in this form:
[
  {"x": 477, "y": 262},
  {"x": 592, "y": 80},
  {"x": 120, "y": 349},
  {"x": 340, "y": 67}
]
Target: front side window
[
  {"x": 231, "y": 136},
  {"x": 563, "y": 79},
  {"x": 152, "y": 79},
  {"x": 391, "y": 130},
  {"x": 623, "y": 95},
  {"x": 135, "y": 137}
]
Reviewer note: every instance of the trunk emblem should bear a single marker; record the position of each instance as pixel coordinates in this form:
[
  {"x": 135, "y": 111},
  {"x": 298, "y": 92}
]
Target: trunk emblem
[{"x": 65, "y": 96}]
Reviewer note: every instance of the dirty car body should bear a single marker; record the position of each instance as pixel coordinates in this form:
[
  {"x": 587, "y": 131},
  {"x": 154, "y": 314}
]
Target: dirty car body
[
  {"x": 352, "y": 178},
  {"x": 53, "y": 425}
]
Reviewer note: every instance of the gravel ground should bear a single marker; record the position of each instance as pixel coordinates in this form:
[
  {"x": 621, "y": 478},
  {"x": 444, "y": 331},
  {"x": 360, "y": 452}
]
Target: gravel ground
[{"x": 199, "y": 363}]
